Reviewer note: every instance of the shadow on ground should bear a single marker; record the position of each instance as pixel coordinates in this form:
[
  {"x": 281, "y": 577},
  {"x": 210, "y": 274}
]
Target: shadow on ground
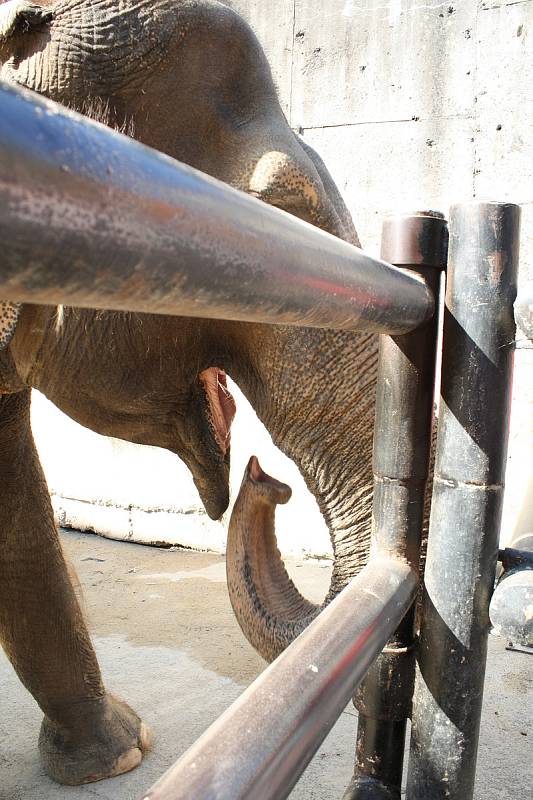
[{"x": 168, "y": 642}]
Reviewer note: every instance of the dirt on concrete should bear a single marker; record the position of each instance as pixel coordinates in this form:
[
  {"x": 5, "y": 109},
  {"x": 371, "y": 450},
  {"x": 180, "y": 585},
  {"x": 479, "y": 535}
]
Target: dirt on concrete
[
  {"x": 168, "y": 642},
  {"x": 174, "y": 598}
]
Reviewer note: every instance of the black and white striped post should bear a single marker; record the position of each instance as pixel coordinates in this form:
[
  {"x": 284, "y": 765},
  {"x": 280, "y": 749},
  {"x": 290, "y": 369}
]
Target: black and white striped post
[{"x": 477, "y": 361}]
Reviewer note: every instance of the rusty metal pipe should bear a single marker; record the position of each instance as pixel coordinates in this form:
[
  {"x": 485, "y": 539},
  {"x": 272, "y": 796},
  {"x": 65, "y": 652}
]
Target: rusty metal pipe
[
  {"x": 261, "y": 745},
  {"x": 91, "y": 218}
]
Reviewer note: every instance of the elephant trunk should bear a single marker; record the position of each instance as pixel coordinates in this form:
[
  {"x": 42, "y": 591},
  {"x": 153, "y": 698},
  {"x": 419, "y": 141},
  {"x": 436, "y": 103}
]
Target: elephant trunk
[
  {"x": 320, "y": 412},
  {"x": 268, "y": 606}
]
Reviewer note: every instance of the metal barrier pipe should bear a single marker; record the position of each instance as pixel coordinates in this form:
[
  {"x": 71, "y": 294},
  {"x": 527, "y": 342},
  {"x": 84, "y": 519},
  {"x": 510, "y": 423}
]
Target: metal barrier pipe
[
  {"x": 91, "y": 218},
  {"x": 402, "y": 443},
  {"x": 261, "y": 745},
  {"x": 511, "y": 605},
  {"x": 467, "y": 499}
]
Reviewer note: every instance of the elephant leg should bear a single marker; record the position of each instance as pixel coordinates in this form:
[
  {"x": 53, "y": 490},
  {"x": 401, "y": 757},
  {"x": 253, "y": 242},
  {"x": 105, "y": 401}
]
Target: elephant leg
[{"x": 86, "y": 734}]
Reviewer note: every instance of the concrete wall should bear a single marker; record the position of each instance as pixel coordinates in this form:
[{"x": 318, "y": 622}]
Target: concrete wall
[{"x": 412, "y": 105}]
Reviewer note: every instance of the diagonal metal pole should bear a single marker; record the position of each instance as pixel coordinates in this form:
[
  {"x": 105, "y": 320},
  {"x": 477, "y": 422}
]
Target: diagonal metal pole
[{"x": 260, "y": 746}]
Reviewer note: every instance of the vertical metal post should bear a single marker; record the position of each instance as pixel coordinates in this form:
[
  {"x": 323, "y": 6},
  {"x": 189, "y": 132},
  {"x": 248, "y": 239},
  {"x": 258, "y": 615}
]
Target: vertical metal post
[
  {"x": 467, "y": 499},
  {"x": 402, "y": 441}
]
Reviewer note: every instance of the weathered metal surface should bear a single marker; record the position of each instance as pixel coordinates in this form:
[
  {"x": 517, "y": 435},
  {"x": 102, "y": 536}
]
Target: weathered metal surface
[
  {"x": 91, "y": 218},
  {"x": 402, "y": 441},
  {"x": 261, "y": 745},
  {"x": 511, "y": 606},
  {"x": 369, "y": 788},
  {"x": 513, "y": 557},
  {"x": 415, "y": 240},
  {"x": 467, "y": 499}
]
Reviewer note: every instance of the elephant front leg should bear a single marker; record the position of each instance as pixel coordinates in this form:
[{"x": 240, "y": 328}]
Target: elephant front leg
[{"x": 86, "y": 733}]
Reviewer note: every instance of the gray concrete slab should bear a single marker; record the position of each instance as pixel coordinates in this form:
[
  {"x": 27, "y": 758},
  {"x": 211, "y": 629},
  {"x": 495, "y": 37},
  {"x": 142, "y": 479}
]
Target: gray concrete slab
[
  {"x": 504, "y": 66},
  {"x": 503, "y": 147},
  {"x": 168, "y": 642},
  {"x": 362, "y": 61},
  {"x": 410, "y": 159}
]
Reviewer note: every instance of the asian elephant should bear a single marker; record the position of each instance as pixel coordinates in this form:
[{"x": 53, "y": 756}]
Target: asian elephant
[{"x": 189, "y": 78}]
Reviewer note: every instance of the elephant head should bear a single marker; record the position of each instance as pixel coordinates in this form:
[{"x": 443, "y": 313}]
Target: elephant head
[{"x": 191, "y": 80}]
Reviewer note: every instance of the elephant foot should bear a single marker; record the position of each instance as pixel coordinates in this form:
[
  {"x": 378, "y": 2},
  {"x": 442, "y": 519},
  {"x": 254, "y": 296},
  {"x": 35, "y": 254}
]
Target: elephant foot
[{"x": 104, "y": 738}]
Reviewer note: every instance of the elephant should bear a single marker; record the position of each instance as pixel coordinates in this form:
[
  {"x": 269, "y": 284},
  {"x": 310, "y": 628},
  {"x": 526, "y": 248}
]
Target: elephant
[{"x": 189, "y": 78}]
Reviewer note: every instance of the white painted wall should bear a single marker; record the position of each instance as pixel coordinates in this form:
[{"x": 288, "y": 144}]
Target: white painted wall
[
  {"x": 145, "y": 494},
  {"x": 412, "y": 105}
]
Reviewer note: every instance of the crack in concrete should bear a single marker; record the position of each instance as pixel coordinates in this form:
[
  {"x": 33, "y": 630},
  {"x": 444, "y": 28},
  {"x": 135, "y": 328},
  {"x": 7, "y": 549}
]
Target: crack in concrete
[
  {"x": 386, "y": 121},
  {"x": 504, "y": 5},
  {"x": 292, "y": 59}
]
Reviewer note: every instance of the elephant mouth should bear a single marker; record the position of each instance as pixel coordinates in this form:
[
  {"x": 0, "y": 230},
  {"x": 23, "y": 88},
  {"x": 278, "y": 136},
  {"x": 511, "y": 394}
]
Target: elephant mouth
[{"x": 220, "y": 405}]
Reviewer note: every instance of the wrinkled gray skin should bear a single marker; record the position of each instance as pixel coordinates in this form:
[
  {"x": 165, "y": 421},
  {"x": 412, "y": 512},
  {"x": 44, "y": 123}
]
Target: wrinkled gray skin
[{"x": 190, "y": 79}]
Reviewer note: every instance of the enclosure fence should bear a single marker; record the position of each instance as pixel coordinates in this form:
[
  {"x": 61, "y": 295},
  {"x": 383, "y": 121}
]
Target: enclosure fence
[{"x": 90, "y": 218}]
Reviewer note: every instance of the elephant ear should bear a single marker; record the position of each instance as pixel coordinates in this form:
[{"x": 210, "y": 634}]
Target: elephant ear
[
  {"x": 9, "y": 314},
  {"x": 19, "y": 16}
]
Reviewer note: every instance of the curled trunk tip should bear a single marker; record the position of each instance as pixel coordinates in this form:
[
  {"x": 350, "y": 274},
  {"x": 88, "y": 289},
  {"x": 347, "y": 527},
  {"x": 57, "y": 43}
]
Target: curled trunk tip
[
  {"x": 274, "y": 492},
  {"x": 268, "y": 606}
]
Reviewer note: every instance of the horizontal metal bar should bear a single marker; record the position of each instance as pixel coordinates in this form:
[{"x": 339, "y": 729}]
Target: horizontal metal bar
[
  {"x": 512, "y": 601},
  {"x": 511, "y": 604},
  {"x": 91, "y": 218},
  {"x": 261, "y": 745},
  {"x": 511, "y": 558}
]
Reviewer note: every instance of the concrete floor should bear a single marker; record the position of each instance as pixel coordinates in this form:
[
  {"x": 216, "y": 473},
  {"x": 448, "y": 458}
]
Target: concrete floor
[{"x": 168, "y": 642}]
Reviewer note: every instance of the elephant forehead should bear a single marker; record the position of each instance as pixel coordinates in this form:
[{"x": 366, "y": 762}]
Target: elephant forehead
[
  {"x": 9, "y": 314},
  {"x": 89, "y": 46}
]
